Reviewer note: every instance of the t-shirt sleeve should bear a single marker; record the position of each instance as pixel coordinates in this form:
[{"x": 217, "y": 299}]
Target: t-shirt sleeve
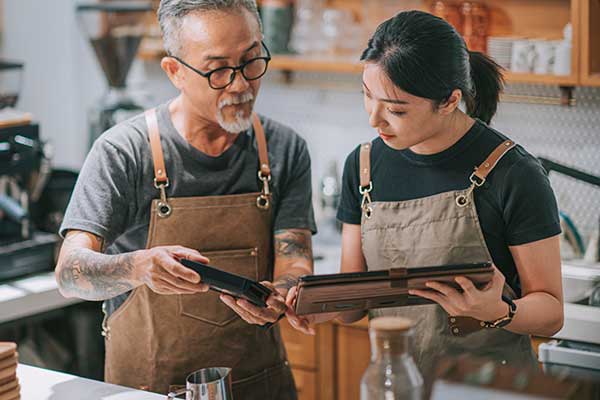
[
  {"x": 349, "y": 209},
  {"x": 295, "y": 209},
  {"x": 102, "y": 195},
  {"x": 530, "y": 208}
]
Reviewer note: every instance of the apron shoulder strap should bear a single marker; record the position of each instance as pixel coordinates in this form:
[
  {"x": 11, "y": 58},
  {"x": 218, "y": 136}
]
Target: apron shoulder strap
[
  {"x": 365, "y": 165},
  {"x": 160, "y": 173},
  {"x": 261, "y": 142},
  {"x": 483, "y": 170}
]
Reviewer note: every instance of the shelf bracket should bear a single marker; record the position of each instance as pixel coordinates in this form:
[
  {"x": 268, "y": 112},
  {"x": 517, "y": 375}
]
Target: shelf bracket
[{"x": 566, "y": 95}]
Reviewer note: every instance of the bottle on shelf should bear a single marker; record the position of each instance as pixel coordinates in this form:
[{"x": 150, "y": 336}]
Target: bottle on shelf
[{"x": 475, "y": 19}]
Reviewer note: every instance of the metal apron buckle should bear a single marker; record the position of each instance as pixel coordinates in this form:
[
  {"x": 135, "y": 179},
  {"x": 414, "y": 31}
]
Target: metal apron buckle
[
  {"x": 163, "y": 208},
  {"x": 366, "y": 200},
  {"x": 263, "y": 201}
]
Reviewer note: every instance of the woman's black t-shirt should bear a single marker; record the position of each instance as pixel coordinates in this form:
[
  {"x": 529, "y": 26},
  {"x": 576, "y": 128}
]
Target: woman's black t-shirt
[{"x": 516, "y": 205}]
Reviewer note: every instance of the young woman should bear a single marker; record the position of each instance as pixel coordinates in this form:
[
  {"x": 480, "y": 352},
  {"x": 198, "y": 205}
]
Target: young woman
[{"x": 439, "y": 186}]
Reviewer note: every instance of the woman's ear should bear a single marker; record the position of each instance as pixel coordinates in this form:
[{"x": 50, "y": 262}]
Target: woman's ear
[
  {"x": 448, "y": 107},
  {"x": 173, "y": 71}
]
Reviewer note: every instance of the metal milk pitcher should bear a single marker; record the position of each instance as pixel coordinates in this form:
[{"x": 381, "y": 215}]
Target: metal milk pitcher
[{"x": 206, "y": 384}]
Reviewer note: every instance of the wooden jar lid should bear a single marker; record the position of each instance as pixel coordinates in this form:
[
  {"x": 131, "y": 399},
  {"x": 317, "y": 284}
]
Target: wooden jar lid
[{"x": 395, "y": 324}]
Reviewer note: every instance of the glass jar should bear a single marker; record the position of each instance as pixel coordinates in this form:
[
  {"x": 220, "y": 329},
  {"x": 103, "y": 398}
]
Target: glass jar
[{"x": 392, "y": 373}]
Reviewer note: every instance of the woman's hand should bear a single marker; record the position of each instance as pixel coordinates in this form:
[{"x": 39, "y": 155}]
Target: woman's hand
[{"x": 484, "y": 305}]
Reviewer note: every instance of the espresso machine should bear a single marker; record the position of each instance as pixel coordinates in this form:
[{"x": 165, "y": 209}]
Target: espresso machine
[
  {"x": 115, "y": 30},
  {"x": 24, "y": 170}
]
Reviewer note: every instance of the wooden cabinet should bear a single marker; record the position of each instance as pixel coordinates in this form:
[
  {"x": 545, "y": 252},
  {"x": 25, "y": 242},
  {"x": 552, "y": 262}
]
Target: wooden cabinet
[
  {"x": 329, "y": 365},
  {"x": 312, "y": 360},
  {"x": 353, "y": 352},
  {"x": 590, "y": 42}
]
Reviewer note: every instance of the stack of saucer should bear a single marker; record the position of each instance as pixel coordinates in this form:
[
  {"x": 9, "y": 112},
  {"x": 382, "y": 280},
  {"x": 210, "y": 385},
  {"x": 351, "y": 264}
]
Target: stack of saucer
[
  {"x": 500, "y": 49},
  {"x": 9, "y": 384}
]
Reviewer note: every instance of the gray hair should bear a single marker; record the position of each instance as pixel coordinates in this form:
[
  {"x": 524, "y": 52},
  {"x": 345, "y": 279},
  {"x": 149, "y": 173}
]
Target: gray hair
[{"x": 172, "y": 12}]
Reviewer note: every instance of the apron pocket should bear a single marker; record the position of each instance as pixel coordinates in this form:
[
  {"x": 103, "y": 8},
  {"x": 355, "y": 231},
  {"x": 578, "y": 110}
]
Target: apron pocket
[{"x": 207, "y": 307}]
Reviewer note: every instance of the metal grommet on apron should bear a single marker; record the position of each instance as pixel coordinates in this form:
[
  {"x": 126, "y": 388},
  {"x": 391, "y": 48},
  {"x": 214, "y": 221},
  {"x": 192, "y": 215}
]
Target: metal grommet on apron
[
  {"x": 441, "y": 229},
  {"x": 155, "y": 341}
]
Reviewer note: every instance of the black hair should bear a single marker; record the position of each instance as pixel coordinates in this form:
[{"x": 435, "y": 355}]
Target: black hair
[{"x": 426, "y": 57}]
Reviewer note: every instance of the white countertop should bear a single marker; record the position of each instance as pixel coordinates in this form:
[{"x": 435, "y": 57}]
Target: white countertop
[
  {"x": 42, "y": 384},
  {"x": 30, "y": 296}
]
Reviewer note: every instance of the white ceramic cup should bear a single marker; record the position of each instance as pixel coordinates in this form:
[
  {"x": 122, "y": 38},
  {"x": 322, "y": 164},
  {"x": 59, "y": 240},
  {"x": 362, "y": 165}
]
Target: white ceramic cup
[
  {"x": 522, "y": 57},
  {"x": 543, "y": 62}
]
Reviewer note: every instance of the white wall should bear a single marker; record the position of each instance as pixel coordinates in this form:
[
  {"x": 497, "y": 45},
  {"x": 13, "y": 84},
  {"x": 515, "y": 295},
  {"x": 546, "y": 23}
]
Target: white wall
[{"x": 61, "y": 77}]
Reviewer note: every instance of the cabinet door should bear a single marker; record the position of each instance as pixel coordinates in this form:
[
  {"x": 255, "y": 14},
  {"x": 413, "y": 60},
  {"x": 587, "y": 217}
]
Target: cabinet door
[
  {"x": 301, "y": 349},
  {"x": 306, "y": 384},
  {"x": 353, "y": 354}
]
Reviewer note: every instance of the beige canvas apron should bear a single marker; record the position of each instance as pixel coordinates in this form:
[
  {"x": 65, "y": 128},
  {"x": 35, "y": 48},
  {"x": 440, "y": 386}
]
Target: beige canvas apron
[
  {"x": 153, "y": 341},
  {"x": 437, "y": 230}
]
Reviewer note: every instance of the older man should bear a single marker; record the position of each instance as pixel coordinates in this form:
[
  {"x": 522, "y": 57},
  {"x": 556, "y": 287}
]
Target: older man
[{"x": 200, "y": 177}]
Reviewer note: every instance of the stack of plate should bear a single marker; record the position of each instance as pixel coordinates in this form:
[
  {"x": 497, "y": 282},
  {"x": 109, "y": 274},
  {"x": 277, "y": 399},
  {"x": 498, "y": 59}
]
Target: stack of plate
[
  {"x": 9, "y": 384},
  {"x": 500, "y": 49}
]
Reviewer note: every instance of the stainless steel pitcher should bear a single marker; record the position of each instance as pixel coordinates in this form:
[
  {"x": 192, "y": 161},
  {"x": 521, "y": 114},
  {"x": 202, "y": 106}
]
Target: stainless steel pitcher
[{"x": 206, "y": 384}]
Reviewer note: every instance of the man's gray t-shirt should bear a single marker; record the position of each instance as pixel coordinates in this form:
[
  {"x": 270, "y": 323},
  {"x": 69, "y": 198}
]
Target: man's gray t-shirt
[{"x": 115, "y": 188}]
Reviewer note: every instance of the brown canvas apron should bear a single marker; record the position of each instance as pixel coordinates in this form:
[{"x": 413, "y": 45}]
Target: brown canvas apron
[
  {"x": 437, "y": 230},
  {"x": 153, "y": 341}
]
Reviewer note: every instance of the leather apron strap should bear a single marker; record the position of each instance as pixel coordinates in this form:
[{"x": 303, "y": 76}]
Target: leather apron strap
[
  {"x": 477, "y": 178},
  {"x": 261, "y": 143},
  {"x": 365, "y": 165},
  {"x": 161, "y": 180},
  {"x": 483, "y": 170},
  {"x": 160, "y": 172}
]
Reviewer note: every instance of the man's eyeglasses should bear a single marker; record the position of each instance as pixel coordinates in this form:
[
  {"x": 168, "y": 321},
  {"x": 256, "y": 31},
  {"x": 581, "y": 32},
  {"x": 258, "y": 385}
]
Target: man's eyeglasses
[{"x": 222, "y": 77}]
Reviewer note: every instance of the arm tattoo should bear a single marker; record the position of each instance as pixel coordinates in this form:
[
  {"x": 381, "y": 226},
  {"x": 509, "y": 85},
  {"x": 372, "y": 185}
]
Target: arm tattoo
[
  {"x": 293, "y": 243},
  {"x": 95, "y": 276},
  {"x": 294, "y": 248},
  {"x": 286, "y": 281}
]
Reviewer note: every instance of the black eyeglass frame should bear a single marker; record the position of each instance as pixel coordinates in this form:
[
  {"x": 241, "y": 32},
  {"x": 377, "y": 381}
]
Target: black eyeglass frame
[{"x": 234, "y": 70}]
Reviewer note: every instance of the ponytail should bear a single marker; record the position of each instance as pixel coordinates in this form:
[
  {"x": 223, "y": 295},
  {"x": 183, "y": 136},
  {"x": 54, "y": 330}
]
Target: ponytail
[
  {"x": 426, "y": 57},
  {"x": 488, "y": 82}
]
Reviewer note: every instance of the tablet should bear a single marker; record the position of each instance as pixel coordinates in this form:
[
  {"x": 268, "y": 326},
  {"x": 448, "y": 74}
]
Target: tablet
[
  {"x": 380, "y": 289},
  {"x": 231, "y": 284}
]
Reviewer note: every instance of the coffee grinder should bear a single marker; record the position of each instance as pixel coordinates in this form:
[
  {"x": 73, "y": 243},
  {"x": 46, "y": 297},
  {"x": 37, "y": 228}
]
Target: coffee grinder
[{"x": 114, "y": 30}]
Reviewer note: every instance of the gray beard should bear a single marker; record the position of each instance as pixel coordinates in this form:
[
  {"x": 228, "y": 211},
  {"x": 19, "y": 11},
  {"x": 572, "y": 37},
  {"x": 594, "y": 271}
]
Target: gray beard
[{"x": 240, "y": 124}]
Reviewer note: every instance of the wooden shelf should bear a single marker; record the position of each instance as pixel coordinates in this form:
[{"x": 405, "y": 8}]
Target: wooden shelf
[
  {"x": 519, "y": 18},
  {"x": 351, "y": 65},
  {"x": 514, "y": 77},
  {"x": 336, "y": 64}
]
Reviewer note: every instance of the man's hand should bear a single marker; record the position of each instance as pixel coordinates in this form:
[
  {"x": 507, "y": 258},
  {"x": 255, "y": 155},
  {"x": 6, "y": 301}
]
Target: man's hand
[
  {"x": 257, "y": 315},
  {"x": 293, "y": 258},
  {"x": 83, "y": 271},
  {"x": 159, "y": 269}
]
